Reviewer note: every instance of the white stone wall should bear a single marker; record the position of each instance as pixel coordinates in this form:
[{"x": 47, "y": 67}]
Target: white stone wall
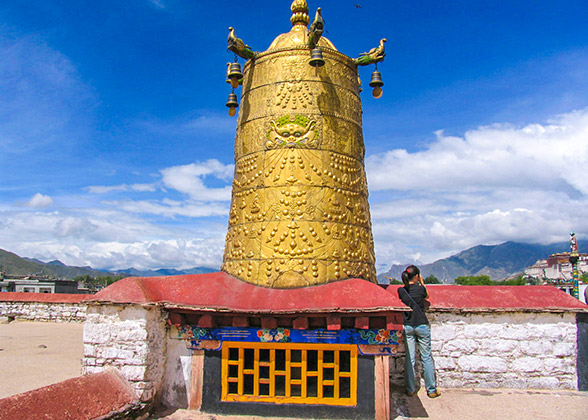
[
  {"x": 486, "y": 350},
  {"x": 130, "y": 338},
  {"x": 43, "y": 311},
  {"x": 509, "y": 350}
]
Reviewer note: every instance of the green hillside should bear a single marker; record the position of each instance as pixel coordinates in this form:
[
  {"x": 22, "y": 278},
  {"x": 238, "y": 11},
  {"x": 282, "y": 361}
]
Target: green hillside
[{"x": 13, "y": 264}]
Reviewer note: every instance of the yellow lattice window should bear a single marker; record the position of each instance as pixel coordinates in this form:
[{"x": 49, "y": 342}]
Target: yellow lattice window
[{"x": 289, "y": 373}]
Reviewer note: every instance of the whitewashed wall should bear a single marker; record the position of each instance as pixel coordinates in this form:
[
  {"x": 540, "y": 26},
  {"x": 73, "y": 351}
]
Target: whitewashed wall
[
  {"x": 130, "y": 338},
  {"x": 509, "y": 350},
  {"x": 43, "y": 311},
  {"x": 486, "y": 350},
  {"x": 175, "y": 391}
]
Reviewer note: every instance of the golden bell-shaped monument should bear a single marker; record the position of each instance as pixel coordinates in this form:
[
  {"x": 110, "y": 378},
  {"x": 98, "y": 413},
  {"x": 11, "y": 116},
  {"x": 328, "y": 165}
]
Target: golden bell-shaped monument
[{"x": 299, "y": 212}]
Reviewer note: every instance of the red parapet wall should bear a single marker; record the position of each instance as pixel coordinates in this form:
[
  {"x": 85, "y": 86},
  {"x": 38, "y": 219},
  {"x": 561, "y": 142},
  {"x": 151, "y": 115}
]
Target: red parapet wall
[
  {"x": 85, "y": 397},
  {"x": 222, "y": 292},
  {"x": 43, "y": 297},
  {"x": 499, "y": 298}
]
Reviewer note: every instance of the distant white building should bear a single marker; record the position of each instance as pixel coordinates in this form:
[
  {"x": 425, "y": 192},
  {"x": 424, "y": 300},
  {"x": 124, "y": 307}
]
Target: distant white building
[{"x": 557, "y": 270}]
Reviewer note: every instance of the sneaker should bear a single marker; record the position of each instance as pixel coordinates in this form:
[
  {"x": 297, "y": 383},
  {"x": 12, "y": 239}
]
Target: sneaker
[
  {"x": 411, "y": 394},
  {"x": 434, "y": 394}
]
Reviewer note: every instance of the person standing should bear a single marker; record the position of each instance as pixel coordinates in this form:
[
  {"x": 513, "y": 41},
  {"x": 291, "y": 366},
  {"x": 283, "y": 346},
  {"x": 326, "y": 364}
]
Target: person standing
[{"x": 417, "y": 331}]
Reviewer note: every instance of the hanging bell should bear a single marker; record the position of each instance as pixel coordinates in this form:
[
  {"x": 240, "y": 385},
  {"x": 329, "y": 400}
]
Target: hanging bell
[
  {"x": 232, "y": 104},
  {"x": 316, "y": 58},
  {"x": 228, "y": 69},
  {"x": 376, "y": 83},
  {"x": 234, "y": 74},
  {"x": 376, "y": 79}
]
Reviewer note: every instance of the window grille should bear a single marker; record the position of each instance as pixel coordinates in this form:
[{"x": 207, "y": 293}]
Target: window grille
[{"x": 289, "y": 373}]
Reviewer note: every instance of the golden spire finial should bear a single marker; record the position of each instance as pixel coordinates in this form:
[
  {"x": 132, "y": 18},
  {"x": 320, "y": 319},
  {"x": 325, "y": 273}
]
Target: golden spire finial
[
  {"x": 299, "y": 213},
  {"x": 299, "y": 13}
]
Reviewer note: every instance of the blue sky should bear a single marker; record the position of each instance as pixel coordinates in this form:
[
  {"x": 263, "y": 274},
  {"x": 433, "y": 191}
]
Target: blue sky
[{"x": 116, "y": 149}]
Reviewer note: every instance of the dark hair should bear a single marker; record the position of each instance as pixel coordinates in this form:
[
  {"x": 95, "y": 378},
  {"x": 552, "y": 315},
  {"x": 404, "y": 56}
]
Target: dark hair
[{"x": 409, "y": 273}]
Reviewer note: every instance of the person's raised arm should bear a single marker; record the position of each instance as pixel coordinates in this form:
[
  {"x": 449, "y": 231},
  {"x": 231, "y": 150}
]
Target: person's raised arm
[{"x": 422, "y": 282}]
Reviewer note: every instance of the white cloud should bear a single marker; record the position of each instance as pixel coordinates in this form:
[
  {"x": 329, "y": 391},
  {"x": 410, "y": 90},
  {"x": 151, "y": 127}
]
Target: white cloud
[
  {"x": 201, "y": 201},
  {"x": 111, "y": 239},
  {"x": 143, "y": 187},
  {"x": 549, "y": 156},
  {"x": 188, "y": 179},
  {"x": 105, "y": 189},
  {"x": 494, "y": 184},
  {"x": 40, "y": 201},
  {"x": 168, "y": 208}
]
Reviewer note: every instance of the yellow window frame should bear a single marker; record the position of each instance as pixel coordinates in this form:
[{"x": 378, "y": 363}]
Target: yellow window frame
[{"x": 234, "y": 373}]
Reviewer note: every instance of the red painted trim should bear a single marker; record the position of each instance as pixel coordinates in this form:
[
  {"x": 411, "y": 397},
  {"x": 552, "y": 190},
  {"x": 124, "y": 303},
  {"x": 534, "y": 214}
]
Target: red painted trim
[
  {"x": 42, "y": 297},
  {"x": 333, "y": 322},
  {"x": 269, "y": 323},
  {"x": 301, "y": 323},
  {"x": 176, "y": 318},
  {"x": 362, "y": 322},
  {"x": 394, "y": 321},
  {"x": 240, "y": 321},
  {"x": 206, "y": 321}
]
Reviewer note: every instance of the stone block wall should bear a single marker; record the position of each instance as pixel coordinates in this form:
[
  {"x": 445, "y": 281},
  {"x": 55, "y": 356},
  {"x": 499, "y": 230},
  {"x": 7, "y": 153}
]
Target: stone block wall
[
  {"x": 42, "y": 311},
  {"x": 131, "y": 338},
  {"x": 478, "y": 349},
  {"x": 509, "y": 350}
]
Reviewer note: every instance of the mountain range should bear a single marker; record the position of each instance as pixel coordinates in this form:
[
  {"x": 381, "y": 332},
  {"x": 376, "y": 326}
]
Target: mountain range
[
  {"x": 11, "y": 263},
  {"x": 497, "y": 261}
]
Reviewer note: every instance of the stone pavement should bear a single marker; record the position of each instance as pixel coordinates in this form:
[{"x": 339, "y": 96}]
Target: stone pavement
[
  {"x": 462, "y": 404},
  {"x": 36, "y": 354}
]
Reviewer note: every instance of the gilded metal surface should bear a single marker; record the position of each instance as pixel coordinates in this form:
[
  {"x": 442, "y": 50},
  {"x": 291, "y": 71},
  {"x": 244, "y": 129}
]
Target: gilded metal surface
[
  {"x": 299, "y": 13},
  {"x": 299, "y": 212}
]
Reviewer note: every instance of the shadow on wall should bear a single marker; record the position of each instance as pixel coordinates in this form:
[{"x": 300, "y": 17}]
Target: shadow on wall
[{"x": 582, "y": 355}]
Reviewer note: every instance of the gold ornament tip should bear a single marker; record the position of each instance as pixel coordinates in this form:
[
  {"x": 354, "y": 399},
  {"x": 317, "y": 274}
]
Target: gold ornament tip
[
  {"x": 299, "y": 6},
  {"x": 299, "y": 13},
  {"x": 377, "y": 92}
]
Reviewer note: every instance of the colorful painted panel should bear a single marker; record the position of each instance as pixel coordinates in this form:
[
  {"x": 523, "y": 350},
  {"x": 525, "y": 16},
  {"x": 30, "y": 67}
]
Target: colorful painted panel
[{"x": 386, "y": 340}]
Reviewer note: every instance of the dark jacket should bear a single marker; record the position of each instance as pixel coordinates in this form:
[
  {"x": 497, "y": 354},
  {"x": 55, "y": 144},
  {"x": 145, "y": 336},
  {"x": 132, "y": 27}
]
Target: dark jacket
[{"x": 418, "y": 294}]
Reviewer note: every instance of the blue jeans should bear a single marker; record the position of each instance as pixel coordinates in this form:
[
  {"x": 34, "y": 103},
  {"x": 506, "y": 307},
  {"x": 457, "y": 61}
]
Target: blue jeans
[{"x": 422, "y": 336}]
